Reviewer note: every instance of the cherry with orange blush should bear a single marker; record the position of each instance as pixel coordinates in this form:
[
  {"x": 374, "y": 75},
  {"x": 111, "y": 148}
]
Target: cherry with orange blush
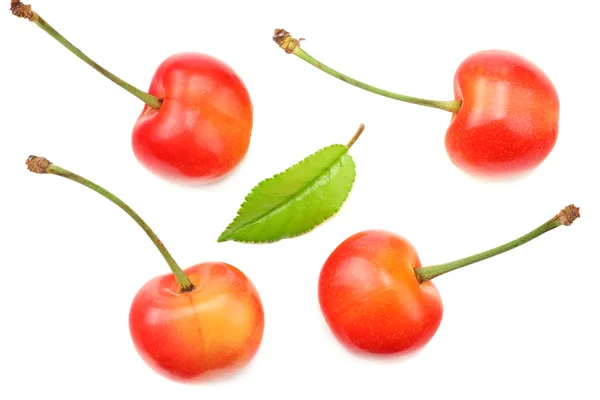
[
  {"x": 377, "y": 298},
  {"x": 192, "y": 325},
  {"x": 505, "y": 111},
  {"x": 196, "y": 123}
]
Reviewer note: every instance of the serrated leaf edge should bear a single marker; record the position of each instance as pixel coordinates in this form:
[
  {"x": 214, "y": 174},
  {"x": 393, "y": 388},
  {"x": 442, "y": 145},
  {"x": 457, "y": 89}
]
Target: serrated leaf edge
[{"x": 275, "y": 177}]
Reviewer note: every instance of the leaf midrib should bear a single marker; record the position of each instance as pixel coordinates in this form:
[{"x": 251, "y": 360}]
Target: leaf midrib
[{"x": 294, "y": 196}]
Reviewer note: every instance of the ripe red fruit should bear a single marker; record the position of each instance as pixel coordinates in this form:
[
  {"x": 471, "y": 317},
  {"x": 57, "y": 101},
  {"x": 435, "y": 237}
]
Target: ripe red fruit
[
  {"x": 215, "y": 328},
  {"x": 371, "y": 298},
  {"x": 192, "y": 325},
  {"x": 197, "y": 120},
  {"x": 202, "y": 129},
  {"x": 377, "y": 298},
  {"x": 504, "y": 117},
  {"x": 508, "y": 120}
]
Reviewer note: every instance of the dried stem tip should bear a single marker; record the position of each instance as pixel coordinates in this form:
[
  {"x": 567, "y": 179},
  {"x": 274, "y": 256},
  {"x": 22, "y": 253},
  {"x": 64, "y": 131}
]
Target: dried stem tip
[
  {"x": 21, "y": 10},
  {"x": 39, "y": 165},
  {"x": 359, "y": 132},
  {"x": 568, "y": 214},
  {"x": 285, "y": 40}
]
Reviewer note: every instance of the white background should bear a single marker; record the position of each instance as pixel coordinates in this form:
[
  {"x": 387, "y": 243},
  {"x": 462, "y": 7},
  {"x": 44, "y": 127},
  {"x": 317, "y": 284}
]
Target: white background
[{"x": 521, "y": 325}]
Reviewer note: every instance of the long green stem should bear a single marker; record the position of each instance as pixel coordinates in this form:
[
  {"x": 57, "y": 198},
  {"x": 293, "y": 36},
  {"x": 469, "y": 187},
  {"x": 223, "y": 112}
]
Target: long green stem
[
  {"x": 41, "y": 165},
  {"x": 291, "y": 45},
  {"x": 565, "y": 217},
  {"x": 24, "y": 11}
]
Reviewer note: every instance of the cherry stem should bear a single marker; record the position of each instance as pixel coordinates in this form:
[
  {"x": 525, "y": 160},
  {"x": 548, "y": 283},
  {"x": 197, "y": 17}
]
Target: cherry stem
[
  {"x": 292, "y": 46},
  {"x": 41, "y": 165},
  {"x": 359, "y": 132},
  {"x": 565, "y": 217},
  {"x": 24, "y": 11}
]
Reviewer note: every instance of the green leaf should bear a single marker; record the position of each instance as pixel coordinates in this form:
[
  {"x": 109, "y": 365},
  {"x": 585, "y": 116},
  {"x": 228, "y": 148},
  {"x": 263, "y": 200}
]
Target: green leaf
[{"x": 295, "y": 201}]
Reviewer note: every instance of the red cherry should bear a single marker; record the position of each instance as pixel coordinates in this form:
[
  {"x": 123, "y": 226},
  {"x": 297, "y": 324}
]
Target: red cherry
[
  {"x": 371, "y": 298},
  {"x": 197, "y": 121},
  {"x": 504, "y": 116},
  {"x": 508, "y": 121},
  {"x": 209, "y": 331},
  {"x": 191, "y": 325},
  {"x": 202, "y": 129},
  {"x": 377, "y": 298}
]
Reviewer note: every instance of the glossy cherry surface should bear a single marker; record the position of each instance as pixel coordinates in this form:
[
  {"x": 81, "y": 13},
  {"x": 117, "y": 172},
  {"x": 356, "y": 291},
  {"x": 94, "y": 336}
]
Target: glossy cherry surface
[
  {"x": 371, "y": 298},
  {"x": 202, "y": 129},
  {"x": 509, "y": 117},
  {"x": 215, "y": 328}
]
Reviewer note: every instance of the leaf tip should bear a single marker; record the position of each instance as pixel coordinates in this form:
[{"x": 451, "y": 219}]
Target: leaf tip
[{"x": 223, "y": 237}]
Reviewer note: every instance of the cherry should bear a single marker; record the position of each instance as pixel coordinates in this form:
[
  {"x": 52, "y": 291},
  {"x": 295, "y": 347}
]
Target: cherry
[
  {"x": 377, "y": 298},
  {"x": 215, "y": 326},
  {"x": 508, "y": 120},
  {"x": 197, "y": 120},
  {"x": 505, "y": 114},
  {"x": 191, "y": 325},
  {"x": 202, "y": 129}
]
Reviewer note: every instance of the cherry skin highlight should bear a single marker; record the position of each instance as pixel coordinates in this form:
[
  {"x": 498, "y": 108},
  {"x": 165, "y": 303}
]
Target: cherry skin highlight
[
  {"x": 202, "y": 129},
  {"x": 371, "y": 298},
  {"x": 509, "y": 117},
  {"x": 214, "y": 329}
]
